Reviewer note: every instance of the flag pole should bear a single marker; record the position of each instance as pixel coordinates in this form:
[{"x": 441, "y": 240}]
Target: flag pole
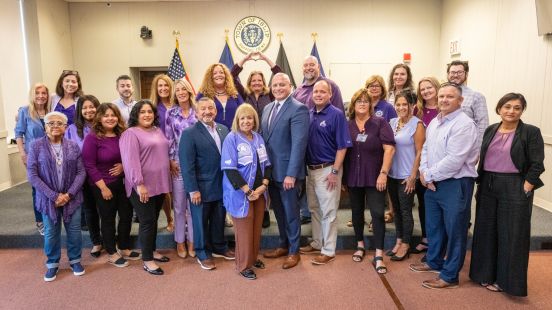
[
  {"x": 176, "y": 34},
  {"x": 226, "y": 31},
  {"x": 314, "y": 35}
]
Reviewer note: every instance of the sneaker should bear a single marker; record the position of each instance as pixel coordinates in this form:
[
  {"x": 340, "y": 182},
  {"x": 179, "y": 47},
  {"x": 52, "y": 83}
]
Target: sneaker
[
  {"x": 248, "y": 274},
  {"x": 229, "y": 255},
  {"x": 206, "y": 264},
  {"x": 40, "y": 228},
  {"x": 50, "y": 274},
  {"x": 78, "y": 270}
]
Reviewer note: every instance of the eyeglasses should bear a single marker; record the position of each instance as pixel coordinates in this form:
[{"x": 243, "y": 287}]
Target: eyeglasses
[
  {"x": 374, "y": 86},
  {"x": 56, "y": 124},
  {"x": 453, "y": 73},
  {"x": 362, "y": 102},
  {"x": 70, "y": 72}
]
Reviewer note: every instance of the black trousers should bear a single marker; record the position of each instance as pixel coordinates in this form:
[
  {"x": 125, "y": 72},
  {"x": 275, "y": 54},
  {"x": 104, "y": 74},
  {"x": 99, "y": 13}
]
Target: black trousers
[
  {"x": 91, "y": 214},
  {"x": 108, "y": 212},
  {"x": 402, "y": 202},
  {"x": 376, "y": 201},
  {"x": 501, "y": 238},
  {"x": 147, "y": 213},
  {"x": 420, "y": 192}
]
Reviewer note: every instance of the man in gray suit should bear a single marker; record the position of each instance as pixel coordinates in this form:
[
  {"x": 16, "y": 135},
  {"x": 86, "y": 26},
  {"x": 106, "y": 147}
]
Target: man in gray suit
[{"x": 284, "y": 126}]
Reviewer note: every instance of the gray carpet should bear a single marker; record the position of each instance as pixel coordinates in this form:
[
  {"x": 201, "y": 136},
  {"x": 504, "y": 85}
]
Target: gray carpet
[{"x": 17, "y": 227}]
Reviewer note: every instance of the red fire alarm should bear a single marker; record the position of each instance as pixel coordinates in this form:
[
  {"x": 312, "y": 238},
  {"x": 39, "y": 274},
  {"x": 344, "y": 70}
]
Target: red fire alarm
[{"x": 407, "y": 57}]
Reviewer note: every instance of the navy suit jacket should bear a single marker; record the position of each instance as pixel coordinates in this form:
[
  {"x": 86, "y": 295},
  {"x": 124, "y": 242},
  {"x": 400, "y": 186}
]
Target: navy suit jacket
[
  {"x": 286, "y": 139},
  {"x": 200, "y": 161}
]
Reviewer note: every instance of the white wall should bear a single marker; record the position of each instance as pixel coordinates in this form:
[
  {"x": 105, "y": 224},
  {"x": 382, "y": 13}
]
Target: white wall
[
  {"x": 106, "y": 39},
  {"x": 499, "y": 38}
]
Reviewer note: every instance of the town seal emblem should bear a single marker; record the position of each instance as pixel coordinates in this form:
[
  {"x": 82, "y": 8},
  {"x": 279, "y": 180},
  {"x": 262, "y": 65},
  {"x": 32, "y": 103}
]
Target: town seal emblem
[{"x": 252, "y": 34}]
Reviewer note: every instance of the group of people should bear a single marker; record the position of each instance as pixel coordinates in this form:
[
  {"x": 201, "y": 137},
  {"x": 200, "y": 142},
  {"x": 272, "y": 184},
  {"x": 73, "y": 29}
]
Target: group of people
[{"x": 238, "y": 149}]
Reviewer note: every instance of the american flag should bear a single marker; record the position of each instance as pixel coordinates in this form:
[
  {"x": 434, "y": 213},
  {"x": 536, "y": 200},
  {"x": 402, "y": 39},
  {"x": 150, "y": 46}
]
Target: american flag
[{"x": 176, "y": 68}]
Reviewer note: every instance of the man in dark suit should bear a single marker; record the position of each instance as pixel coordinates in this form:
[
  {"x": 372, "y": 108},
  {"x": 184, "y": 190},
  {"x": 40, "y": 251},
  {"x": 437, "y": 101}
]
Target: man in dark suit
[
  {"x": 284, "y": 126},
  {"x": 199, "y": 152}
]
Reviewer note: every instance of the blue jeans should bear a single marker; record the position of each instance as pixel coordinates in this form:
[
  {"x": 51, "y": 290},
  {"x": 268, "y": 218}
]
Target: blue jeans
[
  {"x": 52, "y": 238},
  {"x": 38, "y": 215},
  {"x": 447, "y": 217}
]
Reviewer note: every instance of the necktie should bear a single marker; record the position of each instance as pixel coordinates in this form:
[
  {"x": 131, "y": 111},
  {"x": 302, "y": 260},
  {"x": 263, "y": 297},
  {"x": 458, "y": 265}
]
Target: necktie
[{"x": 273, "y": 116}]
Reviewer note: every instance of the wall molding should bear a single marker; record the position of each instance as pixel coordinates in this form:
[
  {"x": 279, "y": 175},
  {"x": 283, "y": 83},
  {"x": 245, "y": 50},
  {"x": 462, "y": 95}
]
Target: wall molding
[{"x": 544, "y": 204}]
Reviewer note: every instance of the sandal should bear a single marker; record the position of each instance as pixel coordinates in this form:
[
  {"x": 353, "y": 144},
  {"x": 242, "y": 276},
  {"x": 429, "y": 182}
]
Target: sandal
[
  {"x": 380, "y": 269},
  {"x": 359, "y": 257},
  {"x": 389, "y": 216},
  {"x": 492, "y": 287}
]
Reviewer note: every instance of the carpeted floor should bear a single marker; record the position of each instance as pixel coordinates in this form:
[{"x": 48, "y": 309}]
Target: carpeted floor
[{"x": 342, "y": 284}]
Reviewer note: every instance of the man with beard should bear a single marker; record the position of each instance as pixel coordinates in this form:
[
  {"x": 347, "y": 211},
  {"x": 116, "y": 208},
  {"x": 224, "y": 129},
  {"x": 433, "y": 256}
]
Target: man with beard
[{"x": 125, "y": 103}]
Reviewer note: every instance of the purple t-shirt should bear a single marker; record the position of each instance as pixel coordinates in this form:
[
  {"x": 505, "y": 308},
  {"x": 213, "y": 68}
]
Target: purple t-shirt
[
  {"x": 385, "y": 110},
  {"x": 498, "y": 158},
  {"x": 99, "y": 155},
  {"x": 364, "y": 159},
  {"x": 427, "y": 115},
  {"x": 327, "y": 133}
]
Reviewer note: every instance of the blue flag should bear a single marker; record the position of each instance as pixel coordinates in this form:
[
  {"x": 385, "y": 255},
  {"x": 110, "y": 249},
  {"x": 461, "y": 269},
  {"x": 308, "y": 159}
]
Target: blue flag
[
  {"x": 314, "y": 53},
  {"x": 226, "y": 57}
]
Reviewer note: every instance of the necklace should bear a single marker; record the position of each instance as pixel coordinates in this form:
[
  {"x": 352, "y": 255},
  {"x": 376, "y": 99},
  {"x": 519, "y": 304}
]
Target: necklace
[
  {"x": 58, "y": 153},
  {"x": 220, "y": 93},
  {"x": 400, "y": 125}
]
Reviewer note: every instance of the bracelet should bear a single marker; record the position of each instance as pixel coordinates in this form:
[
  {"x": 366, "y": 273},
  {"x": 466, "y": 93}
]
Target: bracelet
[
  {"x": 383, "y": 172},
  {"x": 249, "y": 192}
]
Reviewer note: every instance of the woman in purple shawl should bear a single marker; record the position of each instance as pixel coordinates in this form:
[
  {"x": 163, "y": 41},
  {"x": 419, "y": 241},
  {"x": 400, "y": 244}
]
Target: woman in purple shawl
[{"x": 55, "y": 169}]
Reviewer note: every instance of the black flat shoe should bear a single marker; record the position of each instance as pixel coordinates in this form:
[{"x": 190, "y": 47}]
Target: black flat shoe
[
  {"x": 155, "y": 272},
  {"x": 390, "y": 253},
  {"x": 259, "y": 264},
  {"x": 248, "y": 274},
  {"x": 416, "y": 251},
  {"x": 400, "y": 258},
  {"x": 97, "y": 253},
  {"x": 162, "y": 259}
]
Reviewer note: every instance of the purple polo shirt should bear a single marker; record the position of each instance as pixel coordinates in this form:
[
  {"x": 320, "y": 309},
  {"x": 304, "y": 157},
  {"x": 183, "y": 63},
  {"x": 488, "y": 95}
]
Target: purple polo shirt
[
  {"x": 363, "y": 161},
  {"x": 303, "y": 94},
  {"x": 385, "y": 110},
  {"x": 327, "y": 133}
]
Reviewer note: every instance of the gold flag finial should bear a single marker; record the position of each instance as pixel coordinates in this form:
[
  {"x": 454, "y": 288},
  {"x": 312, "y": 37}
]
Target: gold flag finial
[
  {"x": 314, "y": 35},
  {"x": 280, "y": 35},
  {"x": 176, "y": 34},
  {"x": 226, "y": 31}
]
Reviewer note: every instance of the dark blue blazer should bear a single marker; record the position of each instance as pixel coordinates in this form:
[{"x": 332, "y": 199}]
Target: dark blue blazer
[
  {"x": 286, "y": 139},
  {"x": 200, "y": 161}
]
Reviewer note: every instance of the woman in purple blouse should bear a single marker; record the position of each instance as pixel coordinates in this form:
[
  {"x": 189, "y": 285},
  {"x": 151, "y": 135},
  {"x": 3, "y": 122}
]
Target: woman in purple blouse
[
  {"x": 511, "y": 162},
  {"x": 76, "y": 132},
  {"x": 162, "y": 97},
  {"x": 102, "y": 161},
  {"x": 68, "y": 91},
  {"x": 426, "y": 109},
  {"x": 218, "y": 85},
  {"x": 367, "y": 165},
  {"x": 144, "y": 153},
  {"x": 55, "y": 169},
  {"x": 179, "y": 118}
]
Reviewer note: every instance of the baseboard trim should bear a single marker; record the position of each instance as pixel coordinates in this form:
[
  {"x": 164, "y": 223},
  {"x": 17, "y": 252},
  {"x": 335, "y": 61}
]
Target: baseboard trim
[{"x": 544, "y": 204}]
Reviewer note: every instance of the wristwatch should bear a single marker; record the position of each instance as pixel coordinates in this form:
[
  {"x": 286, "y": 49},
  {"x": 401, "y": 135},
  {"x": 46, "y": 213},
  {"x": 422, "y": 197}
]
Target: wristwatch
[{"x": 334, "y": 171}]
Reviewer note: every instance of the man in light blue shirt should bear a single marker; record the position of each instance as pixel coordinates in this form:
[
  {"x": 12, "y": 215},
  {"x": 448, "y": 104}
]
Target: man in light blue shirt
[
  {"x": 125, "y": 103},
  {"x": 447, "y": 169}
]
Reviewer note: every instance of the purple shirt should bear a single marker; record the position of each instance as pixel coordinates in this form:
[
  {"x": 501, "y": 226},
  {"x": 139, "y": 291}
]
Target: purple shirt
[
  {"x": 450, "y": 149},
  {"x": 72, "y": 134},
  {"x": 225, "y": 115},
  {"x": 145, "y": 157},
  {"x": 405, "y": 148},
  {"x": 498, "y": 158},
  {"x": 303, "y": 94},
  {"x": 69, "y": 111},
  {"x": 364, "y": 159},
  {"x": 162, "y": 114},
  {"x": 385, "y": 110},
  {"x": 427, "y": 114},
  {"x": 327, "y": 134},
  {"x": 99, "y": 155},
  {"x": 174, "y": 125}
]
